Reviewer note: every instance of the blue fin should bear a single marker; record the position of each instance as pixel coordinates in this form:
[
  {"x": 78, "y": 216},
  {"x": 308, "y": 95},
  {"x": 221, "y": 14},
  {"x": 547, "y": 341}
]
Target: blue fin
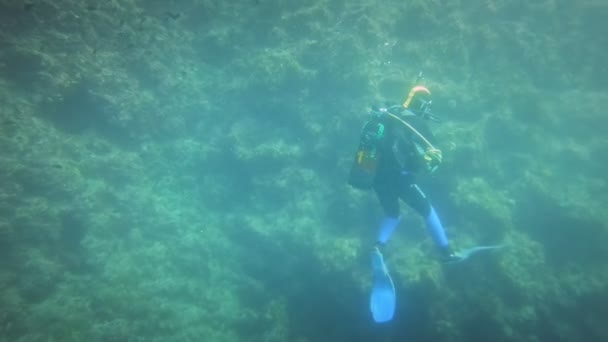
[
  {"x": 383, "y": 299},
  {"x": 469, "y": 252}
]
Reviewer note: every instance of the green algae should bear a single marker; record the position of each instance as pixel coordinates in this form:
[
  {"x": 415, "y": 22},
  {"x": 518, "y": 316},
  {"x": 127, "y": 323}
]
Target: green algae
[{"x": 176, "y": 171}]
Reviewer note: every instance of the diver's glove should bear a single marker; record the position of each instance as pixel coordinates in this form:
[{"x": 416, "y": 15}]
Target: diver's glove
[{"x": 433, "y": 158}]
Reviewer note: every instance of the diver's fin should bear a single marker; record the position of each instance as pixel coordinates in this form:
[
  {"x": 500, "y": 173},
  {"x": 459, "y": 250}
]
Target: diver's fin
[
  {"x": 464, "y": 254},
  {"x": 383, "y": 299}
]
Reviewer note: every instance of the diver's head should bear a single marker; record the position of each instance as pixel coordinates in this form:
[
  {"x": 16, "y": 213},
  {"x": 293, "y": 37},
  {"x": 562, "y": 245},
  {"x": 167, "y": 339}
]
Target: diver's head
[{"x": 418, "y": 99}]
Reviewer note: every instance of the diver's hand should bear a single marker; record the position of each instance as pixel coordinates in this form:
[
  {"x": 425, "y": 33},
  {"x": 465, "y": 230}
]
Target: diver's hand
[{"x": 433, "y": 158}]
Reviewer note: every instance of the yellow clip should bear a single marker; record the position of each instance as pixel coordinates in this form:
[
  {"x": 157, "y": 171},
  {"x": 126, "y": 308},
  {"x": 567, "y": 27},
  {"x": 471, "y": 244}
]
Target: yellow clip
[{"x": 359, "y": 157}]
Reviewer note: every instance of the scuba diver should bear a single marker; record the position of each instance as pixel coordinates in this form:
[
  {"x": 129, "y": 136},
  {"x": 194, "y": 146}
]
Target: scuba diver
[{"x": 396, "y": 145}]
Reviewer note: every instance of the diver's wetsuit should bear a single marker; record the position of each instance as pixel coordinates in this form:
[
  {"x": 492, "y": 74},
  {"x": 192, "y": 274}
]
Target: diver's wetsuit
[
  {"x": 400, "y": 160},
  {"x": 398, "y": 166}
]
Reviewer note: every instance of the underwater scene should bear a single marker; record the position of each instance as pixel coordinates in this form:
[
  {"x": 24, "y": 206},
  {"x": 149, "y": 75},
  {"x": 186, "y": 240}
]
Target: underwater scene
[{"x": 271, "y": 170}]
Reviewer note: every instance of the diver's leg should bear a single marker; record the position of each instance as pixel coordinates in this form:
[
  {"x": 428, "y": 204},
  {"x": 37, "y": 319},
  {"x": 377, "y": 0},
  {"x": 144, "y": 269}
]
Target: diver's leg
[
  {"x": 416, "y": 198},
  {"x": 389, "y": 200},
  {"x": 436, "y": 229},
  {"x": 383, "y": 298}
]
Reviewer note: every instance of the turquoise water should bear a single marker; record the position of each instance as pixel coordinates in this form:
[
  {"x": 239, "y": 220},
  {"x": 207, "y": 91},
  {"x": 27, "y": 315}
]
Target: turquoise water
[{"x": 176, "y": 170}]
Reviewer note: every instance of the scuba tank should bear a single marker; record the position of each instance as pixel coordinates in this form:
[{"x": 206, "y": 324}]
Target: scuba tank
[{"x": 363, "y": 170}]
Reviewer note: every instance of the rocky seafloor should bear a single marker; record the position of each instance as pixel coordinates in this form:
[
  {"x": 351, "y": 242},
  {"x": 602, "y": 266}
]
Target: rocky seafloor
[{"x": 176, "y": 170}]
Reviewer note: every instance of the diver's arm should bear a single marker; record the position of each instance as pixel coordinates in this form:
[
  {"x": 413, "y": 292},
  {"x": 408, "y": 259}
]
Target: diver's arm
[{"x": 419, "y": 132}]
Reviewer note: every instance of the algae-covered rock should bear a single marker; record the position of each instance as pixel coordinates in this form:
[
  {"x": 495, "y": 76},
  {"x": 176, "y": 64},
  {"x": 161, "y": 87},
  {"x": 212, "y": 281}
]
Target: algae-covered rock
[{"x": 177, "y": 170}]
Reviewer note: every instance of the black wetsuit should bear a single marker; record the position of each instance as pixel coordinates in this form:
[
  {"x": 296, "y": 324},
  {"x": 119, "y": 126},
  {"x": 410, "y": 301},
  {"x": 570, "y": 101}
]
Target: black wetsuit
[{"x": 400, "y": 161}]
